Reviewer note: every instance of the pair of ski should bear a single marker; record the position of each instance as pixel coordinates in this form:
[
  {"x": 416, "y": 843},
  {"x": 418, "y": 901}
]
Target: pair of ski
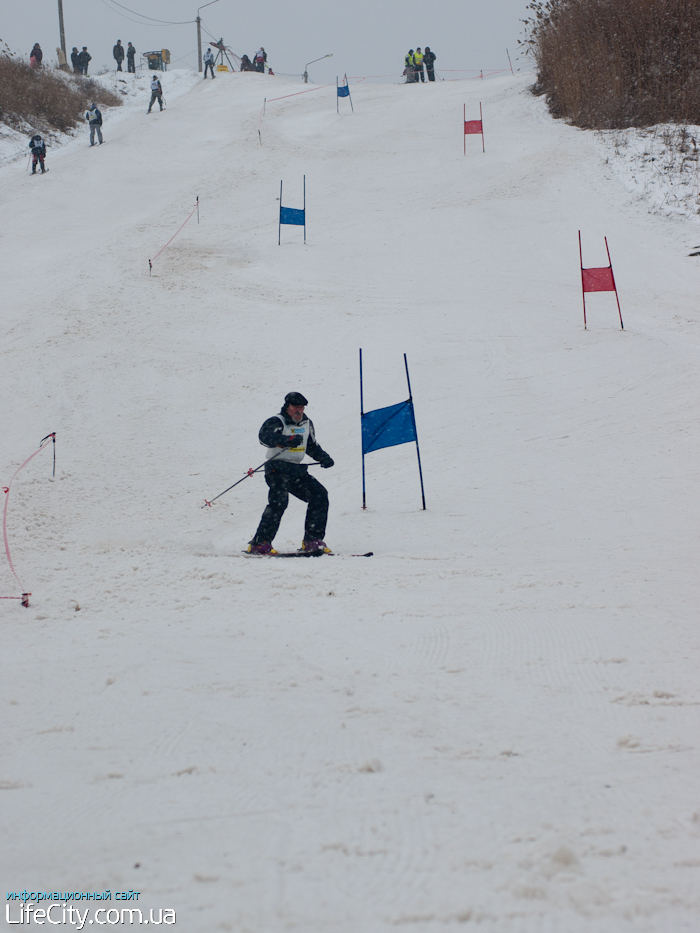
[{"x": 319, "y": 553}]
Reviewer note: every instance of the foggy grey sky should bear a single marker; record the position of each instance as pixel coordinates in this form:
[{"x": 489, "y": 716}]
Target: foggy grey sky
[{"x": 366, "y": 37}]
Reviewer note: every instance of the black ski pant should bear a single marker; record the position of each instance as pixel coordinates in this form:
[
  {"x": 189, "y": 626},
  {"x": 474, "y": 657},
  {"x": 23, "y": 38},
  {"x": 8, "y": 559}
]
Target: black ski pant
[
  {"x": 37, "y": 157},
  {"x": 155, "y": 96},
  {"x": 286, "y": 478},
  {"x": 208, "y": 65},
  {"x": 130, "y": 66},
  {"x": 431, "y": 74},
  {"x": 119, "y": 64}
]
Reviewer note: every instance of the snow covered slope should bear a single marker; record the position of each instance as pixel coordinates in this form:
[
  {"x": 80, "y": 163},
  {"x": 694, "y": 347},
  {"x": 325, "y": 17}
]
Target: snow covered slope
[{"x": 494, "y": 720}]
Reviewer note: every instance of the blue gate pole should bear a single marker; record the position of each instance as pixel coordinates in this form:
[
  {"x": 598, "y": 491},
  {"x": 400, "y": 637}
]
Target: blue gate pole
[
  {"x": 362, "y": 445},
  {"x": 279, "y": 229},
  {"x": 337, "y": 107},
  {"x": 415, "y": 431},
  {"x": 304, "y": 208}
]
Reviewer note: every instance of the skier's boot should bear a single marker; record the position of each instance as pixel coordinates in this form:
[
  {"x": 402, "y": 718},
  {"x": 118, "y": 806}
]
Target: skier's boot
[
  {"x": 34, "y": 170},
  {"x": 261, "y": 547},
  {"x": 315, "y": 545}
]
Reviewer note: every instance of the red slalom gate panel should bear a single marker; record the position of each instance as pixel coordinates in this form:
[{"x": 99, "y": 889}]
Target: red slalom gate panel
[
  {"x": 475, "y": 127},
  {"x": 598, "y": 279}
]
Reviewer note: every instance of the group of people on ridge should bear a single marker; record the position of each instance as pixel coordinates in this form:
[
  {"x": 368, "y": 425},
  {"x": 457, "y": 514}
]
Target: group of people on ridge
[
  {"x": 118, "y": 56},
  {"x": 80, "y": 60},
  {"x": 414, "y": 63}
]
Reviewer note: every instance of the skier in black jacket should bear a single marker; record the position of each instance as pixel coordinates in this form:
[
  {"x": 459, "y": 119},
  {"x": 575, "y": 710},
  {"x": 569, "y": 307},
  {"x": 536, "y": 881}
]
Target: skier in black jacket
[
  {"x": 38, "y": 147},
  {"x": 429, "y": 62},
  {"x": 130, "y": 56},
  {"x": 75, "y": 60},
  {"x": 288, "y": 436}
]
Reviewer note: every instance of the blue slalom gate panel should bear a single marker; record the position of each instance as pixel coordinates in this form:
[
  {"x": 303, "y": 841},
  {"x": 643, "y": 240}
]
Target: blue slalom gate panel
[
  {"x": 343, "y": 91},
  {"x": 388, "y": 427},
  {"x": 292, "y": 215}
]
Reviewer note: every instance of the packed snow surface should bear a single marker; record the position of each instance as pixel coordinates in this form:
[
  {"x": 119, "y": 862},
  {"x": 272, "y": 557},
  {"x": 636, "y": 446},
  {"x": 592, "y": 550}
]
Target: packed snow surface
[{"x": 493, "y": 722}]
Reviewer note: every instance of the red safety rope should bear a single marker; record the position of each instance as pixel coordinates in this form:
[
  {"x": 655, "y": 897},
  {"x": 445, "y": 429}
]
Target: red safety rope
[
  {"x": 6, "y": 489},
  {"x": 150, "y": 261},
  {"x": 297, "y": 93}
]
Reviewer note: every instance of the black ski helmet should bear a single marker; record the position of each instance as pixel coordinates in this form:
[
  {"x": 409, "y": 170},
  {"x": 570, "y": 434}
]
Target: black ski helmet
[{"x": 295, "y": 398}]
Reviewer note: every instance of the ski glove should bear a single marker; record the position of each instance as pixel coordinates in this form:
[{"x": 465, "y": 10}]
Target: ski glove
[
  {"x": 326, "y": 462},
  {"x": 291, "y": 440}
]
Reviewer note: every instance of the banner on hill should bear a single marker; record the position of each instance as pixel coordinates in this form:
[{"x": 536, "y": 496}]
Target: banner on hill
[
  {"x": 342, "y": 90},
  {"x": 475, "y": 127},
  {"x": 388, "y": 427},
  {"x": 597, "y": 279},
  {"x": 292, "y": 215}
]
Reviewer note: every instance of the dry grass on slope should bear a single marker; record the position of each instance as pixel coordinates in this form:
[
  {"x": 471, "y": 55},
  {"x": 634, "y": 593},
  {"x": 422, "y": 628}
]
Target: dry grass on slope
[
  {"x": 608, "y": 64},
  {"x": 44, "y": 99}
]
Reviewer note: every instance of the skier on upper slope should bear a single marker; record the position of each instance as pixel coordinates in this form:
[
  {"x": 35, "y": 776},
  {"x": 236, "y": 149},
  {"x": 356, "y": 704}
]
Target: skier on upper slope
[
  {"x": 156, "y": 93},
  {"x": 288, "y": 436}
]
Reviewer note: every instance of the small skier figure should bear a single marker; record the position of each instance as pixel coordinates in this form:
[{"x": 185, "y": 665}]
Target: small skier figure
[
  {"x": 208, "y": 63},
  {"x": 288, "y": 436},
  {"x": 94, "y": 118},
  {"x": 130, "y": 56},
  {"x": 156, "y": 93},
  {"x": 260, "y": 59},
  {"x": 38, "y": 147}
]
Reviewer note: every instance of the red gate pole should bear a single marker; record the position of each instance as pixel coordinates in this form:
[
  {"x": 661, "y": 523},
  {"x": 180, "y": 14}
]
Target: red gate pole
[
  {"x": 622, "y": 326},
  {"x": 583, "y": 289},
  {"x": 481, "y": 120},
  {"x": 464, "y": 135}
]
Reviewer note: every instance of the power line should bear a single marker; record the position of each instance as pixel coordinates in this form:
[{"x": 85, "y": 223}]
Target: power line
[{"x": 163, "y": 22}]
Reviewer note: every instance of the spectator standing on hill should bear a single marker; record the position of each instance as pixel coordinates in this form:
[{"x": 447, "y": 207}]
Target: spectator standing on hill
[
  {"x": 35, "y": 56},
  {"x": 418, "y": 64},
  {"x": 130, "y": 56},
  {"x": 84, "y": 60},
  {"x": 260, "y": 59},
  {"x": 75, "y": 60},
  {"x": 156, "y": 93},
  {"x": 94, "y": 118},
  {"x": 208, "y": 63},
  {"x": 429, "y": 62},
  {"x": 246, "y": 64},
  {"x": 409, "y": 69},
  {"x": 38, "y": 147},
  {"x": 118, "y": 54}
]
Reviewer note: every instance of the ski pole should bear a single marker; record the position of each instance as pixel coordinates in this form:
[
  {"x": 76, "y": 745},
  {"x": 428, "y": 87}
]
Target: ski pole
[{"x": 250, "y": 472}]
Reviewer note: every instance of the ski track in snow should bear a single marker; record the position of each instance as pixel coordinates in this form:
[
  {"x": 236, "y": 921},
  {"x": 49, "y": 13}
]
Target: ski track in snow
[{"x": 492, "y": 722}]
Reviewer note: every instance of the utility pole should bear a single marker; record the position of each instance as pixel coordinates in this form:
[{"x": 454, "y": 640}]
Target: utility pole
[{"x": 60, "y": 24}]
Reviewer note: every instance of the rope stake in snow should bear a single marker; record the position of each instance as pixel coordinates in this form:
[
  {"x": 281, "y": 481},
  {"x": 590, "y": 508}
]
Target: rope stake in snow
[
  {"x": 6, "y": 489},
  {"x": 151, "y": 261}
]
